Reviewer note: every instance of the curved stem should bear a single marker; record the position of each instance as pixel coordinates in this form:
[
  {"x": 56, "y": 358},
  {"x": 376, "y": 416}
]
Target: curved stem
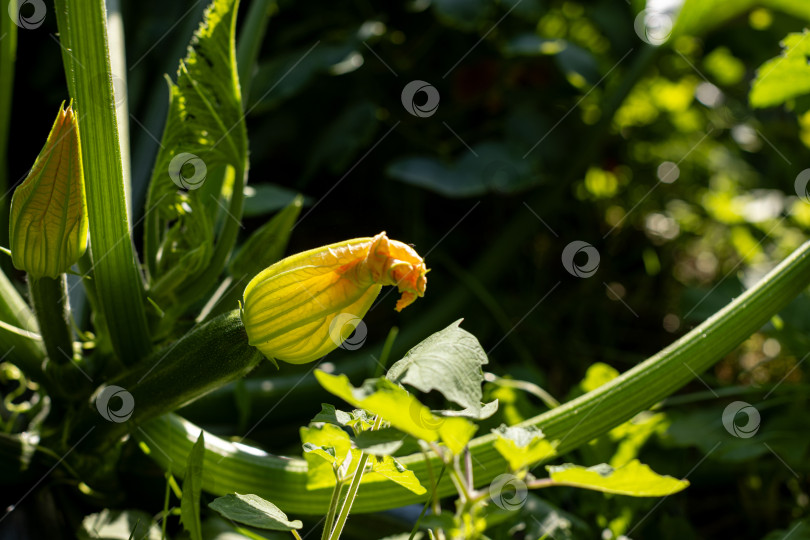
[{"x": 571, "y": 424}]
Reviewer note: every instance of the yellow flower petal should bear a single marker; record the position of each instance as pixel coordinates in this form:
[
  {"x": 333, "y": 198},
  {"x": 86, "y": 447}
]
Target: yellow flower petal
[
  {"x": 48, "y": 220},
  {"x": 291, "y": 309}
]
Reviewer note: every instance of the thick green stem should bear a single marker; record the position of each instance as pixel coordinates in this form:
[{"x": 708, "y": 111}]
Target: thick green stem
[
  {"x": 50, "y": 300},
  {"x": 83, "y": 35},
  {"x": 8, "y": 55},
  {"x": 283, "y": 480}
]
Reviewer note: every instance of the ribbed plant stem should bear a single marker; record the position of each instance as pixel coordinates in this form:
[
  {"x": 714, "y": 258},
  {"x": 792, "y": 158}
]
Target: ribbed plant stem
[
  {"x": 85, "y": 53},
  {"x": 283, "y": 480},
  {"x": 50, "y": 299}
]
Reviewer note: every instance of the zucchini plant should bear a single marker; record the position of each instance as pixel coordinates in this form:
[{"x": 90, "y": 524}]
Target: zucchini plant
[{"x": 193, "y": 312}]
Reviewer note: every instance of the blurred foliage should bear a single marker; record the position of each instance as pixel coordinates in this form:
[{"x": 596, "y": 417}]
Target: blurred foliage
[{"x": 687, "y": 192}]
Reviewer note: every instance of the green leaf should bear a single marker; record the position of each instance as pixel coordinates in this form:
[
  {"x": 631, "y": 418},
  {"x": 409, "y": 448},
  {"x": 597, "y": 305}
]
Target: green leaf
[
  {"x": 698, "y": 17},
  {"x": 385, "y": 398},
  {"x": 597, "y": 374},
  {"x": 395, "y": 471},
  {"x": 266, "y": 245},
  {"x": 331, "y": 415},
  {"x": 455, "y": 433},
  {"x": 192, "y": 487},
  {"x": 380, "y": 442},
  {"x": 785, "y": 77},
  {"x": 449, "y": 362},
  {"x": 326, "y": 448},
  {"x": 522, "y": 447},
  {"x": 465, "y": 15},
  {"x": 482, "y": 412},
  {"x": 394, "y": 404},
  {"x": 489, "y": 167},
  {"x": 118, "y": 525},
  {"x": 204, "y": 134},
  {"x": 634, "y": 479},
  {"x": 254, "y": 511}
]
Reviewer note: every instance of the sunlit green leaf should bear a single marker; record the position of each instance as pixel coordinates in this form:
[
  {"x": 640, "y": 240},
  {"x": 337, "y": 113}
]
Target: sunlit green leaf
[
  {"x": 326, "y": 447},
  {"x": 380, "y": 442},
  {"x": 401, "y": 409},
  {"x": 785, "y": 77},
  {"x": 254, "y": 511},
  {"x": 522, "y": 447},
  {"x": 393, "y": 470},
  {"x": 449, "y": 362},
  {"x": 205, "y": 132},
  {"x": 634, "y": 479}
]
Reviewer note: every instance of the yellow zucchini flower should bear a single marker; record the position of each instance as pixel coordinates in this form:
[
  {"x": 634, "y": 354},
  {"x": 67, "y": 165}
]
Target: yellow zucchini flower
[
  {"x": 48, "y": 220},
  {"x": 290, "y": 308}
]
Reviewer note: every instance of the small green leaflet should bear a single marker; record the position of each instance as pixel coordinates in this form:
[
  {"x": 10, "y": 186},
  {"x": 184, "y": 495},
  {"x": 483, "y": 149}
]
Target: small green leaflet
[
  {"x": 634, "y": 479},
  {"x": 449, "y": 362},
  {"x": 522, "y": 447},
  {"x": 785, "y": 77},
  {"x": 254, "y": 511}
]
